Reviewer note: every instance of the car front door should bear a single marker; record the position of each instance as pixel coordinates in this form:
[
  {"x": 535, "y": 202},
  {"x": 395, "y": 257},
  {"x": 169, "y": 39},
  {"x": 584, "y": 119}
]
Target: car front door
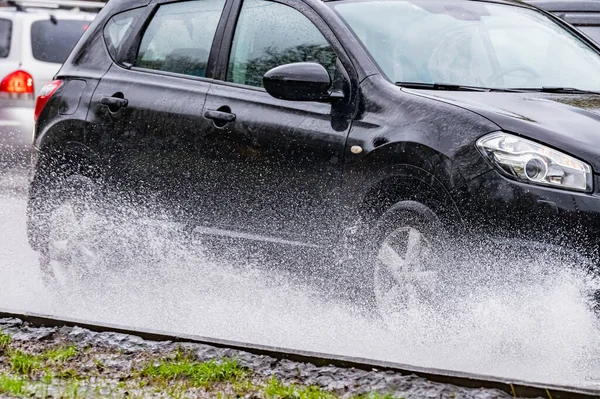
[
  {"x": 146, "y": 113},
  {"x": 270, "y": 169}
]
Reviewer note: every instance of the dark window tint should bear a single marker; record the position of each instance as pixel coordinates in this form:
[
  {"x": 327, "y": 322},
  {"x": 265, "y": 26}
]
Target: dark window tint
[
  {"x": 270, "y": 34},
  {"x": 53, "y": 41},
  {"x": 5, "y": 37},
  {"x": 180, "y": 36},
  {"x": 592, "y": 31},
  {"x": 116, "y": 29}
]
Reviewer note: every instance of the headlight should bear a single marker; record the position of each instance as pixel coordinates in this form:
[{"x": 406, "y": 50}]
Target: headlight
[{"x": 530, "y": 162}]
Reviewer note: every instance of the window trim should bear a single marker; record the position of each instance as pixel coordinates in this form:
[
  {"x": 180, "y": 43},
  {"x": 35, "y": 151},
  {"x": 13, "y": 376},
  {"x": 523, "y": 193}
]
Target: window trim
[
  {"x": 170, "y": 74},
  {"x": 130, "y": 49}
]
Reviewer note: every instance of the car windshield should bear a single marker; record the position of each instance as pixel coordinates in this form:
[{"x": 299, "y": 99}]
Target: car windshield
[
  {"x": 53, "y": 40},
  {"x": 470, "y": 43}
]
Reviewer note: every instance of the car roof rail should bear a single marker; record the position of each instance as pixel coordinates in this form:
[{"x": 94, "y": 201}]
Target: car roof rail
[{"x": 22, "y": 5}]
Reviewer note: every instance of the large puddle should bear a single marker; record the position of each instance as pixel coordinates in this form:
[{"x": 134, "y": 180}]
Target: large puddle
[{"x": 534, "y": 325}]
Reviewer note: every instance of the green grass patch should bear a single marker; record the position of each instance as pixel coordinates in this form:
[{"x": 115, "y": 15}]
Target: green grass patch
[
  {"x": 277, "y": 390},
  {"x": 4, "y": 342},
  {"x": 375, "y": 395},
  {"x": 200, "y": 374},
  {"x": 24, "y": 363},
  {"x": 69, "y": 374},
  {"x": 60, "y": 355},
  {"x": 73, "y": 390},
  {"x": 11, "y": 386}
]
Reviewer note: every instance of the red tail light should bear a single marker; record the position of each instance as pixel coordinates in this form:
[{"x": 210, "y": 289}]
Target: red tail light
[
  {"x": 17, "y": 82},
  {"x": 45, "y": 94}
]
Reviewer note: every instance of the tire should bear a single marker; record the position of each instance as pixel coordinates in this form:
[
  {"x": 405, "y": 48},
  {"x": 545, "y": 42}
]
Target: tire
[
  {"x": 57, "y": 213},
  {"x": 404, "y": 252}
]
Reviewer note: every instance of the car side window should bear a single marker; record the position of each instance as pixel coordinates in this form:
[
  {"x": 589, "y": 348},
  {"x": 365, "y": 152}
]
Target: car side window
[
  {"x": 180, "y": 36},
  {"x": 116, "y": 29},
  {"x": 269, "y": 34}
]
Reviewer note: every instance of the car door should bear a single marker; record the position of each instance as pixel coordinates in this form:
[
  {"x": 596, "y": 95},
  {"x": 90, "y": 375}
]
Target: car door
[
  {"x": 146, "y": 113},
  {"x": 270, "y": 169}
]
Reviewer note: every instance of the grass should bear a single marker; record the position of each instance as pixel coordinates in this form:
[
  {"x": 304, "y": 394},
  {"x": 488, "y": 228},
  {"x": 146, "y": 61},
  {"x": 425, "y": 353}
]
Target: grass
[
  {"x": 25, "y": 374},
  {"x": 4, "y": 342},
  {"x": 68, "y": 374},
  {"x": 375, "y": 395},
  {"x": 200, "y": 374},
  {"x": 276, "y": 390},
  {"x": 11, "y": 386},
  {"x": 61, "y": 354},
  {"x": 24, "y": 363}
]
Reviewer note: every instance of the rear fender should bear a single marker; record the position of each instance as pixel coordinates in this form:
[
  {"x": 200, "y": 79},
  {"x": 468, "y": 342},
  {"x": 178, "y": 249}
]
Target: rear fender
[{"x": 61, "y": 151}]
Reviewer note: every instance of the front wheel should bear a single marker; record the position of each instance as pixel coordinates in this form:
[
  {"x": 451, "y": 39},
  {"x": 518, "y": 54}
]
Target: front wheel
[{"x": 405, "y": 252}]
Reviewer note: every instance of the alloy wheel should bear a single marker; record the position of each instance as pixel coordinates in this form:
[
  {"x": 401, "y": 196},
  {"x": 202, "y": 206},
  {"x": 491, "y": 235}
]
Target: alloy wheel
[{"x": 402, "y": 275}]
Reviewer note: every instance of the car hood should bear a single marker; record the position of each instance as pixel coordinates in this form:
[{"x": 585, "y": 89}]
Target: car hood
[{"x": 567, "y": 122}]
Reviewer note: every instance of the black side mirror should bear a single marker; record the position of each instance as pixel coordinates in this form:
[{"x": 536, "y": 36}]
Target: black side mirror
[{"x": 300, "y": 81}]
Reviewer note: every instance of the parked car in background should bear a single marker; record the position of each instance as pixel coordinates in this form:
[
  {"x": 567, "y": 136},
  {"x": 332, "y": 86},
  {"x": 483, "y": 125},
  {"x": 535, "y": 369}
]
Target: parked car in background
[
  {"x": 35, "y": 39},
  {"x": 583, "y": 14}
]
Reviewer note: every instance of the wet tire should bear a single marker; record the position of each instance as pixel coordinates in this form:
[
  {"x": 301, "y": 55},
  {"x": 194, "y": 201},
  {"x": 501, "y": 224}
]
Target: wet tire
[
  {"x": 404, "y": 251},
  {"x": 55, "y": 224}
]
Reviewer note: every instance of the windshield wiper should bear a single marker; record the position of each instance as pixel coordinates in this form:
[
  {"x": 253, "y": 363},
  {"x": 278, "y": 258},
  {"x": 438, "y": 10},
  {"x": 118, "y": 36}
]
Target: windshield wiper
[
  {"x": 439, "y": 86},
  {"x": 560, "y": 90}
]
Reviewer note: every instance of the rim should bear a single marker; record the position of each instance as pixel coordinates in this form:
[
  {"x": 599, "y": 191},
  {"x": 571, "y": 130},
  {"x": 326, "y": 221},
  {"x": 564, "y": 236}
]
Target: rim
[
  {"x": 401, "y": 276},
  {"x": 68, "y": 255}
]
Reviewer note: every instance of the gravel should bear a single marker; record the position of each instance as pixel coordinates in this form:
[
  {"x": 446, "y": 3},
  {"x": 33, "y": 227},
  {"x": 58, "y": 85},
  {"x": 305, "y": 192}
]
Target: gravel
[{"x": 121, "y": 356}]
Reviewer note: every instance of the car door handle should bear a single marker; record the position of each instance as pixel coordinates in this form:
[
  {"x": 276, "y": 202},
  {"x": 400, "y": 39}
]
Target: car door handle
[
  {"x": 114, "y": 103},
  {"x": 220, "y": 116}
]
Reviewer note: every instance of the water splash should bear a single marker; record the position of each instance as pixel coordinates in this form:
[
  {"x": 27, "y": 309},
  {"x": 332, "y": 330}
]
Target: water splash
[{"x": 516, "y": 317}]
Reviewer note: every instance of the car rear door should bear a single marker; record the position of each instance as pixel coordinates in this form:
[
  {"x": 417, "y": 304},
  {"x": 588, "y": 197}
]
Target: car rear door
[
  {"x": 147, "y": 110},
  {"x": 270, "y": 169}
]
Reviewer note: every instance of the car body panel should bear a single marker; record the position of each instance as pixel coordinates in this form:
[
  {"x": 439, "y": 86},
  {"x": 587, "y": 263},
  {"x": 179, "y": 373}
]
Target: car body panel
[
  {"x": 408, "y": 141},
  {"x": 276, "y": 169},
  {"x": 152, "y": 142},
  {"x": 567, "y": 122}
]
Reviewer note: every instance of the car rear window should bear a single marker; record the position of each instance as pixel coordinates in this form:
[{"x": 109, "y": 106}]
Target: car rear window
[
  {"x": 5, "y": 37},
  {"x": 53, "y": 41}
]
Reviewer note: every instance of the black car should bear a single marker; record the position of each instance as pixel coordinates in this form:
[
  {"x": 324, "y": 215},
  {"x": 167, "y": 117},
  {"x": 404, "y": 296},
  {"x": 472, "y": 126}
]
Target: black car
[
  {"x": 386, "y": 128},
  {"x": 583, "y": 14}
]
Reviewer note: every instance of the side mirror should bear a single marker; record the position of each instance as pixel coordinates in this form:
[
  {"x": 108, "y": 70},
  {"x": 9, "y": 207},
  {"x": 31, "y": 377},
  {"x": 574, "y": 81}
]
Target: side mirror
[{"x": 300, "y": 81}]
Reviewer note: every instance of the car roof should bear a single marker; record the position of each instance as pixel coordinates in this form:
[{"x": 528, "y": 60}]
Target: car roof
[
  {"x": 34, "y": 14},
  {"x": 528, "y": 4},
  {"x": 63, "y": 8}
]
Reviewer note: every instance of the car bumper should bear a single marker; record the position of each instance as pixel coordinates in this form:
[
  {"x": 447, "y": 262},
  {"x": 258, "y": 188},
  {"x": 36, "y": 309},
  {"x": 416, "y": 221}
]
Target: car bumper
[{"x": 509, "y": 209}]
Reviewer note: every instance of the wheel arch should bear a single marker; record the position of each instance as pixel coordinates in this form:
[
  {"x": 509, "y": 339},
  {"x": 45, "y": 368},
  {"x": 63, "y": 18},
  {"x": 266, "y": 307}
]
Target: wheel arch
[
  {"x": 409, "y": 183},
  {"x": 61, "y": 150}
]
